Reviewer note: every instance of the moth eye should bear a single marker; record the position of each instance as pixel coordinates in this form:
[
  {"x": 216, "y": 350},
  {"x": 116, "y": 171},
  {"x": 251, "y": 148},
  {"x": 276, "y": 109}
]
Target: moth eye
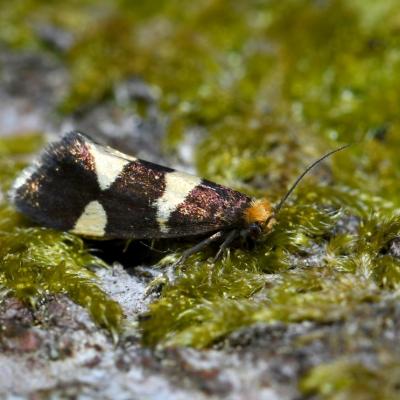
[{"x": 254, "y": 230}]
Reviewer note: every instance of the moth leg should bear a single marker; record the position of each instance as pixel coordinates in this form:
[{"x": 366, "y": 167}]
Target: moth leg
[
  {"x": 232, "y": 235},
  {"x": 199, "y": 246}
]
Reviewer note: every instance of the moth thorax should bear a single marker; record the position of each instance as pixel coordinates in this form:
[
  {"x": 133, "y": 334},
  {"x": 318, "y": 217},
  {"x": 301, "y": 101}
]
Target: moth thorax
[{"x": 260, "y": 211}]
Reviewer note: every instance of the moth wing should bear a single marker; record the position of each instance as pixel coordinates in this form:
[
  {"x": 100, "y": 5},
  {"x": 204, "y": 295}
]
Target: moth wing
[
  {"x": 70, "y": 187},
  {"x": 96, "y": 191},
  {"x": 59, "y": 184}
]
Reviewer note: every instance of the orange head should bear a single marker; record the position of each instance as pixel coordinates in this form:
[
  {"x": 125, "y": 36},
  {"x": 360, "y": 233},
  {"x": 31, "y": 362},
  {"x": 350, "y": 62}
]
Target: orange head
[{"x": 260, "y": 214}]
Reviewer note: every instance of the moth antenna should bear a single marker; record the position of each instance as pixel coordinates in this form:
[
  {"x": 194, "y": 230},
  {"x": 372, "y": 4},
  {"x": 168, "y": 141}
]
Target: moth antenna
[{"x": 306, "y": 171}]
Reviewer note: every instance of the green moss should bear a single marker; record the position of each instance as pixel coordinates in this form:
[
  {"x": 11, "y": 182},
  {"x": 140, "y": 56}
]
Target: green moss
[
  {"x": 190, "y": 305},
  {"x": 36, "y": 262},
  {"x": 348, "y": 269},
  {"x": 347, "y": 379}
]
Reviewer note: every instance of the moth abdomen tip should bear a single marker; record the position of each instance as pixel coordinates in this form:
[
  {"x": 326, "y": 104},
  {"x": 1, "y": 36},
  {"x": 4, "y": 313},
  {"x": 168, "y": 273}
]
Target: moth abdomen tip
[{"x": 21, "y": 180}]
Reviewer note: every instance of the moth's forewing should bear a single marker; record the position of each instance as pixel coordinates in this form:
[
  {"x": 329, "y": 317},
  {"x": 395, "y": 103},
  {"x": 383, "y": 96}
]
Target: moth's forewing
[
  {"x": 95, "y": 191},
  {"x": 58, "y": 186}
]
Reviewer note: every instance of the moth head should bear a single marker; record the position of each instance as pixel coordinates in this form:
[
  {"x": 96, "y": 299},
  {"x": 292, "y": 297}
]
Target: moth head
[{"x": 259, "y": 217}]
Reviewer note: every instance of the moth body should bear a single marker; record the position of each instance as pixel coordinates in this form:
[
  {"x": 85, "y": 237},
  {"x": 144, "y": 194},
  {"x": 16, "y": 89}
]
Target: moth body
[{"x": 95, "y": 191}]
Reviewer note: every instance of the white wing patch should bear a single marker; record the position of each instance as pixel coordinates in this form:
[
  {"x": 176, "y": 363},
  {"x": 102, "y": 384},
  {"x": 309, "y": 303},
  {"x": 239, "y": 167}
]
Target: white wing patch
[
  {"x": 92, "y": 222},
  {"x": 109, "y": 163},
  {"x": 177, "y": 187}
]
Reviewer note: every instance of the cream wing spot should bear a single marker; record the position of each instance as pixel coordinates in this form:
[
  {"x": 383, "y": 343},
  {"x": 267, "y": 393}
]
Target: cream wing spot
[
  {"x": 108, "y": 163},
  {"x": 177, "y": 187},
  {"x": 92, "y": 222}
]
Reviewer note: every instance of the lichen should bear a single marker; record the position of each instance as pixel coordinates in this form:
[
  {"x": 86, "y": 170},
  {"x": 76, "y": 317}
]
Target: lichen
[{"x": 36, "y": 262}]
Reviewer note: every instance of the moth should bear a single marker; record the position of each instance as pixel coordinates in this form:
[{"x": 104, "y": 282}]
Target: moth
[{"x": 97, "y": 192}]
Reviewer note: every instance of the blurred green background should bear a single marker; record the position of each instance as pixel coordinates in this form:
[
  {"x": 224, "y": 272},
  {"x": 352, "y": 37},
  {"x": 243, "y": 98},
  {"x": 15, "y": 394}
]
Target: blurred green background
[{"x": 265, "y": 79}]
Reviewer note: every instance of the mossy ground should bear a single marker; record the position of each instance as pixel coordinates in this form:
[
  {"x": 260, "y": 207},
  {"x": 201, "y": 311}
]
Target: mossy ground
[{"x": 275, "y": 85}]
